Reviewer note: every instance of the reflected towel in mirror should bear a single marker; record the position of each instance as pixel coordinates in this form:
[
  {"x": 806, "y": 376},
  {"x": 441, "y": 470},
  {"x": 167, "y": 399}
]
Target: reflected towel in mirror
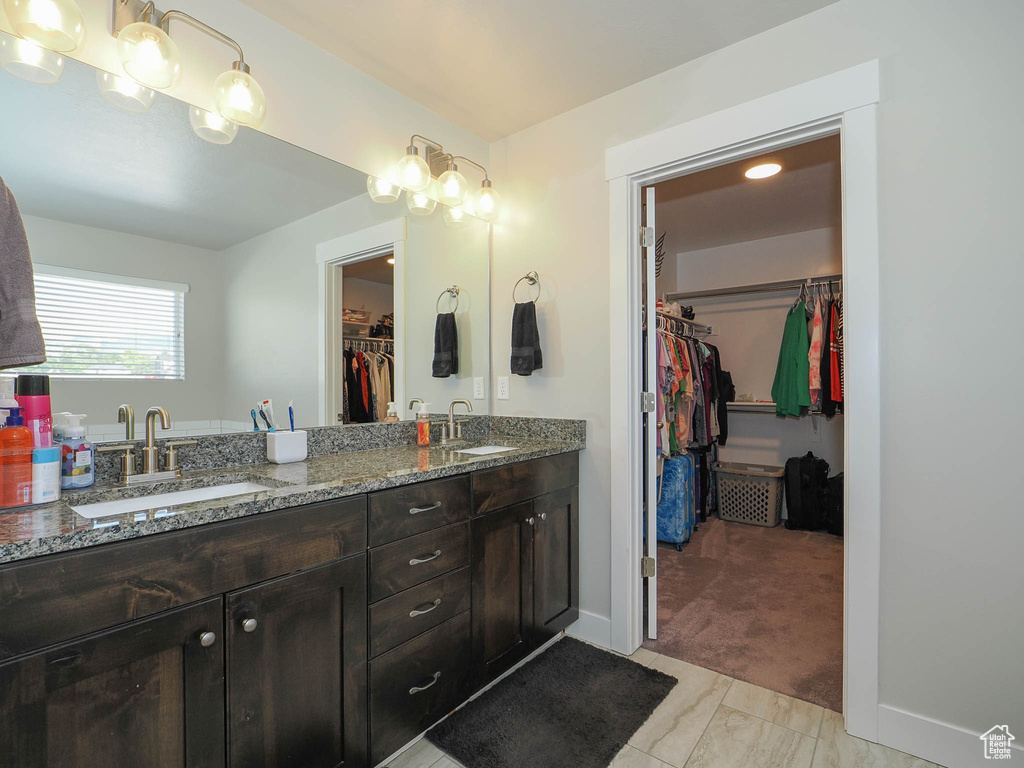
[
  {"x": 446, "y": 346},
  {"x": 21, "y": 340}
]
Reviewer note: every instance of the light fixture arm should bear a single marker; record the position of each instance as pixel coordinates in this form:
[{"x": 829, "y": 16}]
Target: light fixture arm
[
  {"x": 477, "y": 165},
  {"x": 425, "y": 140},
  {"x": 165, "y": 23}
]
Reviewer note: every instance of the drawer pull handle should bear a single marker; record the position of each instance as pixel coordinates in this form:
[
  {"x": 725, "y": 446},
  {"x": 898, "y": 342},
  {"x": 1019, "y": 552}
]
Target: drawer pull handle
[
  {"x": 420, "y": 611},
  {"x": 427, "y": 559},
  {"x": 417, "y": 510},
  {"x": 417, "y": 688}
]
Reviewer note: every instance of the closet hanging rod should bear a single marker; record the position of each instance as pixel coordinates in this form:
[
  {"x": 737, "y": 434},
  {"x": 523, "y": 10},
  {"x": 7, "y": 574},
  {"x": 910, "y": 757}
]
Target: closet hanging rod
[
  {"x": 779, "y": 285},
  {"x": 697, "y": 327}
]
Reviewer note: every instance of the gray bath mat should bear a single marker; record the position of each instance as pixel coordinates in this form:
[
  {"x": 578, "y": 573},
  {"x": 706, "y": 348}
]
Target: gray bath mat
[{"x": 574, "y": 706}]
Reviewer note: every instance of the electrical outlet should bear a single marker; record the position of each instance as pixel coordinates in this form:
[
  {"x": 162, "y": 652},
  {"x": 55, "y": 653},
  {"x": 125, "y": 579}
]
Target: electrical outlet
[
  {"x": 478, "y": 388},
  {"x": 815, "y": 428},
  {"x": 503, "y": 387}
]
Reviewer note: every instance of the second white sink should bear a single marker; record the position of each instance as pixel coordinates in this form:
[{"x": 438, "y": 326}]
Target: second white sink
[
  {"x": 484, "y": 450},
  {"x": 139, "y": 503}
]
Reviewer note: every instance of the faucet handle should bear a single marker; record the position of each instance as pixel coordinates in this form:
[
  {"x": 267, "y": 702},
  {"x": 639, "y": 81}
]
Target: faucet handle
[
  {"x": 127, "y": 460},
  {"x": 171, "y": 457}
]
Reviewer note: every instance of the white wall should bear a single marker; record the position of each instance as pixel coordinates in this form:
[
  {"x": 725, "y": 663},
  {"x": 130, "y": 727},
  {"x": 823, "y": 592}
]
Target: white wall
[
  {"x": 270, "y": 285},
  {"x": 198, "y": 396},
  {"x": 953, "y": 588}
]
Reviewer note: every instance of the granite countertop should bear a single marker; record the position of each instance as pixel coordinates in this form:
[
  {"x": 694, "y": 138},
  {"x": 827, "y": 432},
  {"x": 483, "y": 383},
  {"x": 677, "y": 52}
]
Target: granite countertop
[{"x": 27, "y": 532}]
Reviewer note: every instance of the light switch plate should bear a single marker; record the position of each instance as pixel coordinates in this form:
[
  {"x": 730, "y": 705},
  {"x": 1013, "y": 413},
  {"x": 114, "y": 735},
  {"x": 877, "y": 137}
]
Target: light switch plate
[
  {"x": 503, "y": 387},
  {"x": 478, "y": 388}
]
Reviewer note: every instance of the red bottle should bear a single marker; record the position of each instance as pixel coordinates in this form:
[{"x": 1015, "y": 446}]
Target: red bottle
[{"x": 15, "y": 461}]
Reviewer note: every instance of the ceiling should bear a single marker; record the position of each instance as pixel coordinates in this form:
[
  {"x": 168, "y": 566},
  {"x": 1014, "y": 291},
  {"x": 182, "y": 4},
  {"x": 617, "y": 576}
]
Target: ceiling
[
  {"x": 495, "y": 68},
  {"x": 375, "y": 270},
  {"x": 720, "y": 206},
  {"x": 73, "y": 157}
]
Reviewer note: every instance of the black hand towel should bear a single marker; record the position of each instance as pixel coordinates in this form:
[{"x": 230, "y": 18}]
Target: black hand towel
[
  {"x": 526, "y": 354},
  {"x": 446, "y": 346}
]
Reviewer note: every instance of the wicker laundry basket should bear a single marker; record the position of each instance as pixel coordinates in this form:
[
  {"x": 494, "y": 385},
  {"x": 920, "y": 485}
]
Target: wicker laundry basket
[{"x": 749, "y": 493}]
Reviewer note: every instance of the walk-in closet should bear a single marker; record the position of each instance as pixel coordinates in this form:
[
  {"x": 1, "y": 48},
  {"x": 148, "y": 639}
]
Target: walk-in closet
[{"x": 749, "y": 409}]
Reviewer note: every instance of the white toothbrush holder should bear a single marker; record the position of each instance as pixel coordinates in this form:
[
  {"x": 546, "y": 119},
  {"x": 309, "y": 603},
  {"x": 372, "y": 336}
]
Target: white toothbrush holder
[{"x": 286, "y": 447}]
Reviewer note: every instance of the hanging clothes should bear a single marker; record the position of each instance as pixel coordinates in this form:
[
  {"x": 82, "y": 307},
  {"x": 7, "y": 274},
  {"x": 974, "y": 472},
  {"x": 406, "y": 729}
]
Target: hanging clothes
[
  {"x": 791, "y": 388},
  {"x": 814, "y": 354}
]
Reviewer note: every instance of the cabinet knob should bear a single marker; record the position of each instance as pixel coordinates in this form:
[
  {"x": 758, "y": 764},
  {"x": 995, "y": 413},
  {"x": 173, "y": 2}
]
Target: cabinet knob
[
  {"x": 206, "y": 639},
  {"x": 543, "y": 515},
  {"x": 249, "y": 625},
  {"x": 530, "y": 520}
]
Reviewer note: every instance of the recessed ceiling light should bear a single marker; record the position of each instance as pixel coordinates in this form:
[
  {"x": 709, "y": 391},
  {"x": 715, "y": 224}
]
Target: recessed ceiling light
[
  {"x": 391, "y": 261},
  {"x": 763, "y": 171}
]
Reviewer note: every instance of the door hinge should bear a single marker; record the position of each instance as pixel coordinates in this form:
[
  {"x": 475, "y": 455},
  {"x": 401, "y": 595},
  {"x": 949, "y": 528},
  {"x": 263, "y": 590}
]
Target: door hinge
[
  {"x": 647, "y": 402},
  {"x": 647, "y": 237},
  {"x": 648, "y": 567}
]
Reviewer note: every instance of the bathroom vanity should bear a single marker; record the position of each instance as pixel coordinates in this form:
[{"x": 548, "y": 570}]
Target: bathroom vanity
[{"x": 324, "y": 634}]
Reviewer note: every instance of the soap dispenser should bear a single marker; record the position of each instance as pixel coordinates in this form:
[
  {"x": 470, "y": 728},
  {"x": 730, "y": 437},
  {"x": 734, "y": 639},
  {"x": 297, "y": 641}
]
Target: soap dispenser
[
  {"x": 423, "y": 425},
  {"x": 15, "y": 461},
  {"x": 7, "y": 399},
  {"x": 76, "y": 455},
  {"x": 392, "y": 413}
]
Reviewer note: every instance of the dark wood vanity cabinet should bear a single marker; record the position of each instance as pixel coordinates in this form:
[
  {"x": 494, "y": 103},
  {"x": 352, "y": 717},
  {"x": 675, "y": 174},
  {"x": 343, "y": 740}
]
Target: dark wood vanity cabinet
[{"x": 323, "y": 636}]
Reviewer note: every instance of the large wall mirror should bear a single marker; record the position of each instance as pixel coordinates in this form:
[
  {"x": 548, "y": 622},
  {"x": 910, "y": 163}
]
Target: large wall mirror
[{"x": 206, "y": 277}]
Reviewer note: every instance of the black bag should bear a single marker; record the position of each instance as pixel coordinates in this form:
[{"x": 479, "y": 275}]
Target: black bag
[
  {"x": 806, "y": 482},
  {"x": 834, "y": 511}
]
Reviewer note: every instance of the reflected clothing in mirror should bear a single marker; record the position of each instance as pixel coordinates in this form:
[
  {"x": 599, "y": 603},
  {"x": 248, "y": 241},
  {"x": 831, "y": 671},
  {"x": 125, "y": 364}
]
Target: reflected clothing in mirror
[
  {"x": 446, "y": 346},
  {"x": 369, "y": 386}
]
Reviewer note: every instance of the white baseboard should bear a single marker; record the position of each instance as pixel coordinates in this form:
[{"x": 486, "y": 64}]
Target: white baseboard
[
  {"x": 593, "y": 629},
  {"x": 941, "y": 743}
]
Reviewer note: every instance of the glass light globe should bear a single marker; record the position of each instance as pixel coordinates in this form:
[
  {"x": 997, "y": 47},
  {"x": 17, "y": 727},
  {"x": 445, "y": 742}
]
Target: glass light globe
[
  {"x": 421, "y": 203},
  {"x": 148, "y": 55},
  {"x": 382, "y": 190},
  {"x": 413, "y": 173},
  {"x": 455, "y": 217},
  {"x": 53, "y": 24},
  {"x": 124, "y": 93},
  {"x": 239, "y": 98},
  {"x": 211, "y": 127},
  {"x": 26, "y": 60},
  {"x": 486, "y": 202},
  {"x": 454, "y": 189}
]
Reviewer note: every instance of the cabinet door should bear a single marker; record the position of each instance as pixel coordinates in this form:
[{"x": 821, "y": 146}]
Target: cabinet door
[
  {"x": 149, "y": 693},
  {"x": 502, "y": 597},
  {"x": 296, "y": 669},
  {"x": 556, "y": 567}
]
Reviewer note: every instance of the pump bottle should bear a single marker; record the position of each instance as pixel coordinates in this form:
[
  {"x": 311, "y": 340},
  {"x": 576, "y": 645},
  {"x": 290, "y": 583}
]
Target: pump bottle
[
  {"x": 76, "y": 455},
  {"x": 15, "y": 461},
  {"x": 423, "y": 425}
]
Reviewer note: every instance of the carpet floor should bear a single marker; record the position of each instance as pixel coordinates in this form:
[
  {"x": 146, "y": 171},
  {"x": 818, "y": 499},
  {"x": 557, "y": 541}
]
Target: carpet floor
[
  {"x": 764, "y": 605},
  {"x": 574, "y": 706}
]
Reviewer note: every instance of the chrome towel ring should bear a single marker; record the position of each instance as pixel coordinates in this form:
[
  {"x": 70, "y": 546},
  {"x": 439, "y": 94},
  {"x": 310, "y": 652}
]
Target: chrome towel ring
[
  {"x": 532, "y": 278},
  {"x": 453, "y": 293}
]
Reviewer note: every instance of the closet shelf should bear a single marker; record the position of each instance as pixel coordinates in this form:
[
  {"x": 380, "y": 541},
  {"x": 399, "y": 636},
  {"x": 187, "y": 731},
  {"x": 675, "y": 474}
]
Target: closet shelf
[{"x": 741, "y": 407}]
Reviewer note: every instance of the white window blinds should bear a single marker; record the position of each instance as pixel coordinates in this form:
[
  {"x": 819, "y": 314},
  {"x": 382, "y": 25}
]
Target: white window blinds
[{"x": 99, "y": 326}]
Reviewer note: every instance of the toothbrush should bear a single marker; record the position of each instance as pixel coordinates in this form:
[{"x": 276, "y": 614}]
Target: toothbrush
[
  {"x": 291, "y": 415},
  {"x": 255, "y": 424},
  {"x": 268, "y": 407},
  {"x": 263, "y": 415}
]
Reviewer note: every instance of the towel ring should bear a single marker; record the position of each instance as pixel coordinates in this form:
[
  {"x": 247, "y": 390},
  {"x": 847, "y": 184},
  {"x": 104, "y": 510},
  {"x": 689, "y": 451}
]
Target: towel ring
[
  {"x": 453, "y": 292},
  {"x": 532, "y": 278}
]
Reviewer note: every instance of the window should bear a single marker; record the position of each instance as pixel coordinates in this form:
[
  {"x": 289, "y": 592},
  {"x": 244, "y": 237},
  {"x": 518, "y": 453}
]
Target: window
[{"x": 99, "y": 326}]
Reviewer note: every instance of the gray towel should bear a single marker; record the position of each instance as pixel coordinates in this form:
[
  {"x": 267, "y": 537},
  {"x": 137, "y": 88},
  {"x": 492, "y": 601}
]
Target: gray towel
[
  {"x": 526, "y": 354},
  {"x": 446, "y": 347},
  {"x": 21, "y": 340}
]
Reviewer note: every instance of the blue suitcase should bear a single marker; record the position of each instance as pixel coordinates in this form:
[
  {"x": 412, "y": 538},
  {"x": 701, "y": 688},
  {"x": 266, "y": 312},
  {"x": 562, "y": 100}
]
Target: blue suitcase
[{"x": 676, "y": 500}]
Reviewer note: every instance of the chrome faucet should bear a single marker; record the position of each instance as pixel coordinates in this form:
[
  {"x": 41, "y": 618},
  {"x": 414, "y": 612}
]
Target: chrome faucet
[
  {"x": 450, "y": 432},
  {"x": 150, "y": 458},
  {"x": 126, "y": 416}
]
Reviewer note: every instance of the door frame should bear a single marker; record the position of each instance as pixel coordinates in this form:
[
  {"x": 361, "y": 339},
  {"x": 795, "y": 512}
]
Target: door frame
[
  {"x": 844, "y": 102},
  {"x": 379, "y": 240}
]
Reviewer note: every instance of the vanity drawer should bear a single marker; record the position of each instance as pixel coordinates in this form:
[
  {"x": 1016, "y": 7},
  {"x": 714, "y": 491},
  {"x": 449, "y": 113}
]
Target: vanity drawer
[
  {"x": 414, "y": 611},
  {"x": 416, "y": 684},
  {"x": 406, "y": 511},
  {"x": 507, "y": 485},
  {"x": 412, "y": 561},
  {"x": 55, "y": 598}
]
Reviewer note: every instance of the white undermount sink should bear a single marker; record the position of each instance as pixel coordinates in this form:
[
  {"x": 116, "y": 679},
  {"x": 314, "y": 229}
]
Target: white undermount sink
[
  {"x": 140, "y": 503},
  {"x": 485, "y": 450}
]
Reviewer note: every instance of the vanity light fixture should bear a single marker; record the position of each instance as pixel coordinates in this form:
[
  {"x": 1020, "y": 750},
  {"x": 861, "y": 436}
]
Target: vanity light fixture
[
  {"x": 413, "y": 171},
  {"x": 455, "y": 217},
  {"x": 25, "y": 59},
  {"x": 150, "y": 56},
  {"x": 124, "y": 93},
  {"x": 762, "y": 171},
  {"x": 382, "y": 190},
  {"x": 485, "y": 202},
  {"x": 53, "y": 24},
  {"x": 211, "y": 127},
  {"x": 453, "y": 185},
  {"x": 422, "y": 203}
]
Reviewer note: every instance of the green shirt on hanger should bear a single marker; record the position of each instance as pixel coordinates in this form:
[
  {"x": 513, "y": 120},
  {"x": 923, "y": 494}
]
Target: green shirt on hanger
[{"x": 792, "y": 389}]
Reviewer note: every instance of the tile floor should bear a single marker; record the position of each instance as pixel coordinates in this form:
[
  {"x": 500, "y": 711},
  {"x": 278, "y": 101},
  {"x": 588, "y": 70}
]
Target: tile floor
[{"x": 712, "y": 721}]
